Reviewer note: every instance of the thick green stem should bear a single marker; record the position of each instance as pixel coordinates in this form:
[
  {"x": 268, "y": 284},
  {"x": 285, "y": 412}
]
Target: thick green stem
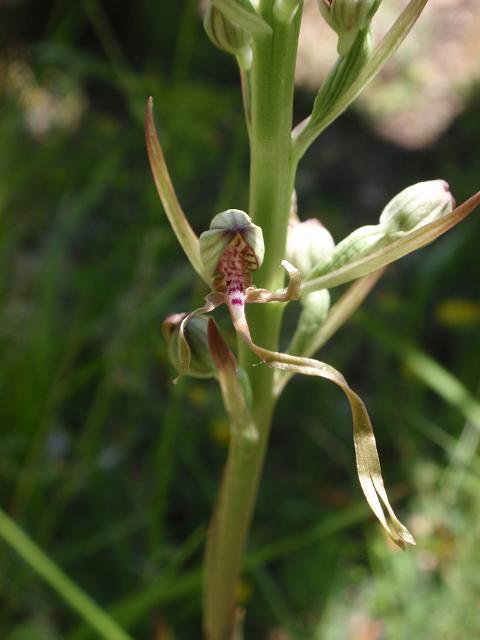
[
  {"x": 270, "y": 168},
  {"x": 226, "y": 540},
  {"x": 271, "y": 176},
  {"x": 271, "y": 185}
]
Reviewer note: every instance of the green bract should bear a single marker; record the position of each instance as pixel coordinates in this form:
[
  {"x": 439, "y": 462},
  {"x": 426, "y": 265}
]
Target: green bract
[
  {"x": 224, "y": 228},
  {"x": 417, "y": 205}
]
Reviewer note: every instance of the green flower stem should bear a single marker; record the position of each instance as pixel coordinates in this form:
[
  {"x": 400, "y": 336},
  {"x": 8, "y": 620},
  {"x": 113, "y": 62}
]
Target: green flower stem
[
  {"x": 271, "y": 186},
  {"x": 270, "y": 169},
  {"x": 97, "y": 618},
  {"x": 227, "y": 533},
  {"x": 272, "y": 86},
  {"x": 226, "y": 540}
]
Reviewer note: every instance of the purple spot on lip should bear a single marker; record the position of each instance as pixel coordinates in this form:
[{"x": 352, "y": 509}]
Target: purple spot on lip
[{"x": 237, "y": 301}]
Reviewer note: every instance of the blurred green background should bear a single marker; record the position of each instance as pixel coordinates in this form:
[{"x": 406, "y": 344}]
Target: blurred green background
[{"x": 111, "y": 468}]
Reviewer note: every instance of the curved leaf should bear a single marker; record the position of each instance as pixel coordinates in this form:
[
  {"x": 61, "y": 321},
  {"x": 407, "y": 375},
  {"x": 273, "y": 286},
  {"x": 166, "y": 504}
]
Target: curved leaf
[
  {"x": 180, "y": 225},
  {"x": 368, "y": 463}
]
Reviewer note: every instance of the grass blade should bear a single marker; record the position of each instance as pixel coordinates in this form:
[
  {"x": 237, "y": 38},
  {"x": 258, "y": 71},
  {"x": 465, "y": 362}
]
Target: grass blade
[{"x": 95, "y": 616}]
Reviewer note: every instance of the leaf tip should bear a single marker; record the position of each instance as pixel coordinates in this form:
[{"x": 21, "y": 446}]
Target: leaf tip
[
  {"x": 149, "y": 114},
  {"x": 402, "y": 539}
]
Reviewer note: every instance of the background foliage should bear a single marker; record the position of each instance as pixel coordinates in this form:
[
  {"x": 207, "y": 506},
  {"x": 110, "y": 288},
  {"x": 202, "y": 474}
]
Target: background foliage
[{"x": 113, "y": 470}]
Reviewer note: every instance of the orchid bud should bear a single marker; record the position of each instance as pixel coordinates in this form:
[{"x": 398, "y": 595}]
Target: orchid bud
[
  {"x": 348, "y": 18},
  {"x": 225, "y": 228},
  {"x": 227, "y": 36},
  {"x": 195, "y": 333},
  {"x": 309, "y": 243},
  {"x": 416, "y": 206}
]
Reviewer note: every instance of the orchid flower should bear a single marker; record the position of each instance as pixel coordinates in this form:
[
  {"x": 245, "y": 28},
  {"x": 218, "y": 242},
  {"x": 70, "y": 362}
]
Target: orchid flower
[{"x": 232, "y": 249}]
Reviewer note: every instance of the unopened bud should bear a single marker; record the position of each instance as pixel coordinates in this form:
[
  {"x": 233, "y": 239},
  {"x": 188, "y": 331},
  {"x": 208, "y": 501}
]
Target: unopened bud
[
  {"x": 224, "y": 229},
  {"x": 227, "y": 36},
  {"x": 348, "y": 18},
  {"x": 416, "y": 206},
  {"x": 195, "y": 333},
  {"x": 309, "y": 244}
]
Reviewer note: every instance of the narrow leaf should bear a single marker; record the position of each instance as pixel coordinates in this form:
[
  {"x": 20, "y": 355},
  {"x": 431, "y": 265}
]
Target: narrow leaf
[
  {"x": 393, "y": 251},
  {"x": 38, "y": 561},
  {"x": 180, "y": 225},
  {"x": 306, "y": 132},
  {"x": 243, "y": 13},
  {"x": 343, "y": 74}
]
